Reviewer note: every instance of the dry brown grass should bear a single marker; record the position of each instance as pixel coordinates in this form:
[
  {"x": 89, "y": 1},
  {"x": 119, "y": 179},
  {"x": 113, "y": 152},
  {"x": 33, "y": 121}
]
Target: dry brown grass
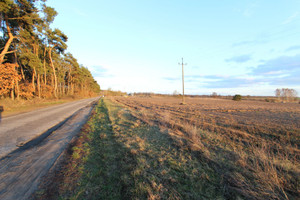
[
  {"x": 253, "y": 145},
  {"x": 12, "y": 107}
]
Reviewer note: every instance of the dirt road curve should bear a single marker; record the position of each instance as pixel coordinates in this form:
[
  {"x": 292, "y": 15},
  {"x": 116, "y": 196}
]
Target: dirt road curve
[
  {"x": 17, "y": 130},
  {"x": 21, "y": 170}
]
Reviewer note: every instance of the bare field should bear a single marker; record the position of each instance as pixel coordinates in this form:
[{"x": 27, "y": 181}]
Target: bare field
[
  {"x": 155, "y": 148},
  {"x": 275, "y": 121},
  {"x": 253, "y": 146}
]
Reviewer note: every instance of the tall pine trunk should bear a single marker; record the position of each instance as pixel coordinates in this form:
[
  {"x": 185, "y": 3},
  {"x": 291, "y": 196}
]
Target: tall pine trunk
[
  {"x": 39, "y": 85},
  {"x": 54, "y": 73},
  {"x": 72, "y": 88},
  {"x": 12, "y": 94},
  {"x": 63, "y": 89},
  {"x": 17, "y": 81},
  {"x": 45, "y": 72},
  {"x": 59, "y": 91},
  {"x": 7, "y": 44},
  {"x": 33, "y": 79},
  {"x": 18, "y": 90}
]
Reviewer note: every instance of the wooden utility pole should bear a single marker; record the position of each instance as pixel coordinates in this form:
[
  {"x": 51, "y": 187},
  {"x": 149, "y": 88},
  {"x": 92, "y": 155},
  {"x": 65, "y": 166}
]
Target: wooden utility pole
[{"x": 182, "y": 64}]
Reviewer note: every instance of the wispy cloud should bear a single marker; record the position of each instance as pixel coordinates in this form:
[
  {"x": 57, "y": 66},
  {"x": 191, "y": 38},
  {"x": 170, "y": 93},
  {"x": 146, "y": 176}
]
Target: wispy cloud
[
  {"x": 100, "y": 71},
  {"x": 292, "y": 48},
  {"x": 230, "y": 82},
  {"x": 193, "y": 78},
  {"x": 282, "y": 71},
  {"x": 290, "y": 80},
  {"x": 215, "y": 77},
  {"x": 171, "y": 78},
  {"x": 239, "y": 59},
  {"x": 291, "y": 18},
  {"x": 241, "y": 43},
  {"x": 196, "y": 78},
  {"x": 79, "y": 12},
  {"x": 250, "y": 42},
  {"x": 250, "y": 9},
  {"x": 280, "y": 64}
]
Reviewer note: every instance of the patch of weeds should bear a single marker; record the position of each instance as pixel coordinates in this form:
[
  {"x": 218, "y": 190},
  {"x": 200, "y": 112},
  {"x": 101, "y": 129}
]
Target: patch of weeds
[{"x": 105, "y": 163}]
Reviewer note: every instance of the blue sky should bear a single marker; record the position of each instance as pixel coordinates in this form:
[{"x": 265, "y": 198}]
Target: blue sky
[{"x": 230, "y": 47}]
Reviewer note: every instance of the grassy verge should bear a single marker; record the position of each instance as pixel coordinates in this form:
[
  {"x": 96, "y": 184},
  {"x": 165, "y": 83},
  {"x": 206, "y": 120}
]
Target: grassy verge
[
  {"x": 12, "y": 107},
  {"x": 117, "y": 156}
]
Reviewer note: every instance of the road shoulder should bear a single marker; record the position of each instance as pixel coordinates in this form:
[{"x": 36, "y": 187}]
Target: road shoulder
[{"x": 23, "y": 170}]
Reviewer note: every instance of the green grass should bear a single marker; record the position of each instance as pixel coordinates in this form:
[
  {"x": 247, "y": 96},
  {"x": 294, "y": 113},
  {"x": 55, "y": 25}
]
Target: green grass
[{"x": 120, "y": 157}]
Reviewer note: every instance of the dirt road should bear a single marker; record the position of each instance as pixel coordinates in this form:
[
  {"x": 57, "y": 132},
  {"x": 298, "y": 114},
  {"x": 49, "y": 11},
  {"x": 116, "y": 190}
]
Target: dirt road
[
  {"x": 17, "y": 130},
  {"x": 21, "y": 170}
]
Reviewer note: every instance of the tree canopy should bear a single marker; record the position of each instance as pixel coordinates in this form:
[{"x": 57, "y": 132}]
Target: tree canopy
[{"x": 33, "y": 57}]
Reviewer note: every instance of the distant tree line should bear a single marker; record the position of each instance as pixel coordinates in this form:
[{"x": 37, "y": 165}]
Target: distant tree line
[
  {"x": 33, "y": 58},
  {"x": 110, "y": 92},
  {"x": 286, "y": 94}
]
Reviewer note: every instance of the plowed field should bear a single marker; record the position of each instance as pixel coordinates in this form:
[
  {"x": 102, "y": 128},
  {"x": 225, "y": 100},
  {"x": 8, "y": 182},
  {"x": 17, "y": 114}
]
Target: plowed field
[
  {"x": 253, "y": 145},
  {"x": 156, "y": 148}
]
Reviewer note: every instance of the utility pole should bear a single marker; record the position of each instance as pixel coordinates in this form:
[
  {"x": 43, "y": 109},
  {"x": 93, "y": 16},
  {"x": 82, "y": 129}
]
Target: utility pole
[{"x": 182, "y": 64}]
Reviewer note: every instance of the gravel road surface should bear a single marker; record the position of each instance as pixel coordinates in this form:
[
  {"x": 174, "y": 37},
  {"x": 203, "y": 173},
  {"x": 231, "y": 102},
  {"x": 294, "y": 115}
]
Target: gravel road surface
[
  {"x": 22, "y": 169},
  {"x": 17, "y": 130}
]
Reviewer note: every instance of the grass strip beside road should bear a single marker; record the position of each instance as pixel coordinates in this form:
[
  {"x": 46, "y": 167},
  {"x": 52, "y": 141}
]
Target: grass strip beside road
[
  {"x": 12, "y": 107},
  {"x": 117, "y": 156}
]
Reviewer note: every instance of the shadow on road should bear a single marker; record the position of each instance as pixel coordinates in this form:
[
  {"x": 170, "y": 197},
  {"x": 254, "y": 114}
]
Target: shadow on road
[
  {"x": 22, "y": 169},
  {"x": 1, "y": 110}
]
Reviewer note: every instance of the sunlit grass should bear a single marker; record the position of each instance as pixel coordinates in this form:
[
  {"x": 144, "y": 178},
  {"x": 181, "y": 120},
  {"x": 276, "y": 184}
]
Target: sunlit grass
[
  {"x": 117, "y": 156},
  {"x": 146, "y": 154},
  {"x": 12, "y": 107}
]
